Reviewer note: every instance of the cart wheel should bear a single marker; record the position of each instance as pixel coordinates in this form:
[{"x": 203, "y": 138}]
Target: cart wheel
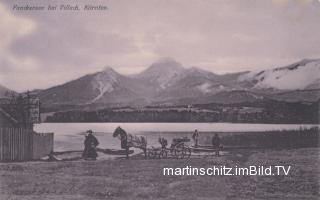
[
  {"x": 187, "y": 152},
  {"x": 179, "y": 152},
  {"x": 163, "y": 154},
  {"x": 151, "y": 154}
]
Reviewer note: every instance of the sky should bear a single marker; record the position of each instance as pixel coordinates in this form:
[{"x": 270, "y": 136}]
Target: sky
[{"x": 40, "y": 49}]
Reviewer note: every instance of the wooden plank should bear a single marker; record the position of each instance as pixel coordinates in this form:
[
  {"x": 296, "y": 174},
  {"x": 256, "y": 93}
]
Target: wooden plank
[
  {"x": 10, "y": 143},
  {"x": 16, "y": 155},
  {"x": 5, "y": 144},
  {"x": 8, "y": 156},
  {"x": 1, "y": 144},
  {"x": 29, "y": 146},
  {"x": 20, "y": 145},
  {"x": 18, "y": 133},
  {"x": 13, "y": 147},
  {"x": 25, "y": 146},
  {"x": 14, "y": 136}
]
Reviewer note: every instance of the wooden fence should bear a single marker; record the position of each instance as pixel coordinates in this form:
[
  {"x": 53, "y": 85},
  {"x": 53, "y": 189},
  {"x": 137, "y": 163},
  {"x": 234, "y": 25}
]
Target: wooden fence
[
  {"x": 42, "y": 145},
  {"x": 18, "y": 144}
]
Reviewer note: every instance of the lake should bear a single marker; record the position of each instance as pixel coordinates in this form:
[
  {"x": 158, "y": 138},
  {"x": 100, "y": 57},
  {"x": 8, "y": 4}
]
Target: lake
[{"x": 70, "y": 136}]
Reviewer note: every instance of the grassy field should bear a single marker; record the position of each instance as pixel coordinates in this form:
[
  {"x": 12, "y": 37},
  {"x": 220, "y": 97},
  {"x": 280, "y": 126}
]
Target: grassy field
[{"x": 139, "y": 178}]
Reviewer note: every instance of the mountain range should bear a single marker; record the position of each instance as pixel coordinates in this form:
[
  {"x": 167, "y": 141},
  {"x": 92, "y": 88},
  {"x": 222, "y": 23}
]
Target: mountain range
[{"x": 167, "y": 82}]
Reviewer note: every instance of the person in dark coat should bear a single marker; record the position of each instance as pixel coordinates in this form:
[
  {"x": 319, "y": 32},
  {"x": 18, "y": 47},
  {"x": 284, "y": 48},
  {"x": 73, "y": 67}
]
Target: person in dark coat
[
  {"x": 216, "y": 143},
  {"x": 195, "y": 137},
  {"x": 90, "y": 144}
]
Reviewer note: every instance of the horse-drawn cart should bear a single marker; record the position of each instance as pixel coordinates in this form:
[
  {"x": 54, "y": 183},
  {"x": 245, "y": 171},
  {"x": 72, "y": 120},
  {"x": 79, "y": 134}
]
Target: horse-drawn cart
[{"x": 178, "y": 149}]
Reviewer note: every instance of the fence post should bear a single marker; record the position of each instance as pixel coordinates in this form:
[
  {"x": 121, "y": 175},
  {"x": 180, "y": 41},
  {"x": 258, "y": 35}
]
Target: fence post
[{"x": 1, "y": 143}]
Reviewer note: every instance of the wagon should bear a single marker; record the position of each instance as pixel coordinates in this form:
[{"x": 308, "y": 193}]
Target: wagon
[{"x": 178, "y": 149}]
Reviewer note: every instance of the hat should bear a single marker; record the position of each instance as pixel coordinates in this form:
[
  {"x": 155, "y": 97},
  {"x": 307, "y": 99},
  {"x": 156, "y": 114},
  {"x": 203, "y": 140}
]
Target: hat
[{"x": 89, "y": 131}]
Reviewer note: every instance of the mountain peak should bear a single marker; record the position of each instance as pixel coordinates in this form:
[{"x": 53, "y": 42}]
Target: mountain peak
[
  {"x": 108, "y": 69},
  {"x": 165, "y": 60},
  {"x": 162, "y": 71},
  {"x": 166, "y": 64}
]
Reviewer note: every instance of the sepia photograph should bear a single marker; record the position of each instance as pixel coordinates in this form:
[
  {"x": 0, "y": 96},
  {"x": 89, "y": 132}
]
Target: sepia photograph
[{"x": 159, "y": 99}]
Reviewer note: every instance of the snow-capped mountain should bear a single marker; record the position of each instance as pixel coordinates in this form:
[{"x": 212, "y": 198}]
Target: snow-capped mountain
[
  {"x": 298, "y": 76},
  {"x": 160, "y": 73}
]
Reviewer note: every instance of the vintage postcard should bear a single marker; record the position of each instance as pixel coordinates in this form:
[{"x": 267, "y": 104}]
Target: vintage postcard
[{"x": 159, "y": 99}]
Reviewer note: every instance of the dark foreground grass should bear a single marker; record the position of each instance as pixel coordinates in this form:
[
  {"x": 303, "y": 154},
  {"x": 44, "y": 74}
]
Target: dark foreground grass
[{"x": 138, "y": 178}]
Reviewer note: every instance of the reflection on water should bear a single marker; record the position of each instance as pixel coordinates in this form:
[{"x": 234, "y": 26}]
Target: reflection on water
[{"x": 70, "y": 136}]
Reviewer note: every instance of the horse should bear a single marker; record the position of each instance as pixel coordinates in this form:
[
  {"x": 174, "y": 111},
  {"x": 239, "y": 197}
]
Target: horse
[{"x": 129, "y": 140}]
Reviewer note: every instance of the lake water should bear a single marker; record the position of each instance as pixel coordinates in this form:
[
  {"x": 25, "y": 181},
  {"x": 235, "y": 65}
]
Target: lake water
[{"x": 70, "y": 136}]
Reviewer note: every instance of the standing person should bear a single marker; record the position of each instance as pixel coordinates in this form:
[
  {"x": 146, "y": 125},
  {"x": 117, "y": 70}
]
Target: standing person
[
  {"x": 216, "y": 142},
  {"x": 90, "y": 145},
  {"x": 86, "y": 146},
  {"x": 195, "y": 137}
]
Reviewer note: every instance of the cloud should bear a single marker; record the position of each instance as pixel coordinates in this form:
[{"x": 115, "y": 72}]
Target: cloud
[
  {"x": 50, "y": 48},
  {"x": 13, "y": 27}
]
